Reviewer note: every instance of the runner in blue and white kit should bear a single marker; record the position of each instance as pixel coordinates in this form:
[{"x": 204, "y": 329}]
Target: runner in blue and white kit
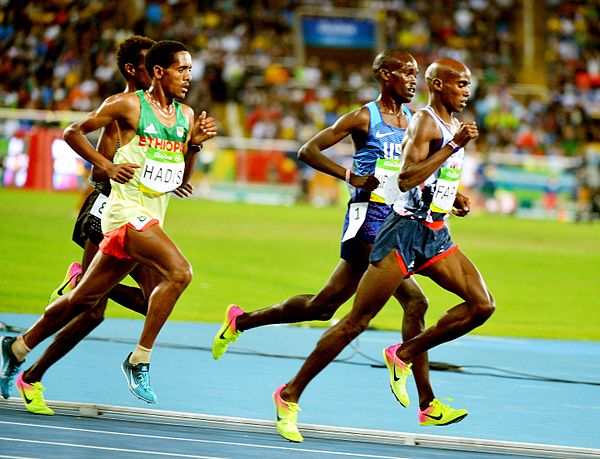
[
  {"x": 415, "y": 235},
  {"x": 377, "y": 130}
]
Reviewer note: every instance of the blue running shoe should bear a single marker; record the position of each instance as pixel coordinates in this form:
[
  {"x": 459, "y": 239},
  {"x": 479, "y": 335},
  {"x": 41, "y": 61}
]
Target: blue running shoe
[
  {"x": 9, "y": 365},
  {"x": 138, "y": 380}
]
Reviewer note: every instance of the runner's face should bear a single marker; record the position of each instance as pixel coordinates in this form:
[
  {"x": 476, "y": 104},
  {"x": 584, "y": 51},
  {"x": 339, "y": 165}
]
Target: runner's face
[
  {"x": 457, "y": 90},
  {"x": 403, "y": 80},
  {"x": 177, "y": 77}
]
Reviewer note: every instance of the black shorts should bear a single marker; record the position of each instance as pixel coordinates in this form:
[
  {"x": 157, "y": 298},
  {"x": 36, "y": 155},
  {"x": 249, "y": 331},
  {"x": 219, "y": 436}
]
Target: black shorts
[
  {"x": 417, "y": 246},
  {"x": 88, "y": 226}
]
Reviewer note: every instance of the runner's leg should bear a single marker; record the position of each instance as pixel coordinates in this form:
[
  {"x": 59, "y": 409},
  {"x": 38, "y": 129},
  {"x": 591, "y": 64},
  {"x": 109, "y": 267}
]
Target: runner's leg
[
  {"x": 154, "y": 249},
  {"x": 457, "y": 274},
  {"x": 375, "y": 288},
  {"x": 415, "y": 304}
]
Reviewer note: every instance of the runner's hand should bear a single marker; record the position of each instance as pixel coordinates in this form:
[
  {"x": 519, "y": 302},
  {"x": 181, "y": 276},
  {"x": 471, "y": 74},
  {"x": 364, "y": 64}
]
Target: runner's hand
[
  {"x": 121, "y": 173},
  {"x": 462, "y": 205},
  {"x": 204, "y": 128},
  {"x": 466, "y": 133},
  {"x": 366, "y": 182},
  {"x": 184, "y": 191}
]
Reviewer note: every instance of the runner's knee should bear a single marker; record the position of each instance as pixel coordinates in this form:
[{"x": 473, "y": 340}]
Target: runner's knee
[
  {"x": 416, "y": 307},
  {"x": 83, "y": 302},
  {"x": 321, "y": 311},
  {"x": 483, "y": 311},
  {"x": 95, "y": 315},
  {"x": 351, "y": 329},
  {"x": 181, "y": 277}
]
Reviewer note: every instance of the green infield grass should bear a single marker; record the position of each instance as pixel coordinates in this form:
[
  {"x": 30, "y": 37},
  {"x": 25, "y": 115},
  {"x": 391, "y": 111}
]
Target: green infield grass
[{"x": 544, "y": 275}]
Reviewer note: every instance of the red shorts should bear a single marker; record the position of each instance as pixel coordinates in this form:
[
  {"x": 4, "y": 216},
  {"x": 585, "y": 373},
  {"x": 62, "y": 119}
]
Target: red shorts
[{"x": 113, "y": 243}]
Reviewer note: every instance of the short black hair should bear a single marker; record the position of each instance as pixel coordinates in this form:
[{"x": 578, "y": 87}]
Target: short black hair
[
  {"x": 388, "y": 59},
  {"x": 162, "y": 54},
  {"x": 130, "y": 52}
]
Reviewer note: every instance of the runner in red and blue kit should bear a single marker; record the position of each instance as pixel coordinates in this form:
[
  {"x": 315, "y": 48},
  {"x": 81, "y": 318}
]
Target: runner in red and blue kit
[
  {"x": 376, "y": 129},
  {"x": 427, "y": 159},
  {"x": 417, "y": 230}
]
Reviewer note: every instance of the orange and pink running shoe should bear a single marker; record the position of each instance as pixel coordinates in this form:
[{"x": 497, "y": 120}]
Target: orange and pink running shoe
[
  {"x": 440, "y": 414},
  {"x": 33, "y": 396},
  {"x": 399, "y": 371},
  {"x": 228, "y": 332},
  {"x": 286, "y": 419},
  {"x": 68, "y": 283}
]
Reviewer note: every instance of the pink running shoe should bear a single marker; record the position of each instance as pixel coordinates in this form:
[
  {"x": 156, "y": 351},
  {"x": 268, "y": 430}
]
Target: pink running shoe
[
  {"x": 286, "y": 419},
  {"x": 399, "y": 371},
  {"x": 69, "y": 282},
  {"x": 228, "y": 332}
]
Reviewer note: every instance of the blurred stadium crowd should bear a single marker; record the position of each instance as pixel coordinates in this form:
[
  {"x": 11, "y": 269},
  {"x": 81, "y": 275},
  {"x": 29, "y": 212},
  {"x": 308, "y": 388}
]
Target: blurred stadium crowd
[{"x": 60, "y": 54}]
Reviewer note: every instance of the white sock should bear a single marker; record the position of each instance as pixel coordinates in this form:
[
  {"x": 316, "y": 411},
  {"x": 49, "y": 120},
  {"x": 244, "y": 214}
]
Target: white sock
[
  {"x": 140, "y": 355},
  {"x": 20, "y": 349}
]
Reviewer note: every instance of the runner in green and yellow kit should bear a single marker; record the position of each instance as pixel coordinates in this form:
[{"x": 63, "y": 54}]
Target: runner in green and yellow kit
[{"x": 159, "y": 142}]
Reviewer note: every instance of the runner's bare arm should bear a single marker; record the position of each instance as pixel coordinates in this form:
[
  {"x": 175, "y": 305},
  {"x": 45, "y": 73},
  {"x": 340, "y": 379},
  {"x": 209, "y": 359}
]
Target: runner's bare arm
[
  {"x": 118, "y": 107},
  {"x": 354, "y": 123},
  {"x": 422, "y": 133},
  {"x": 107, "y": 146}
]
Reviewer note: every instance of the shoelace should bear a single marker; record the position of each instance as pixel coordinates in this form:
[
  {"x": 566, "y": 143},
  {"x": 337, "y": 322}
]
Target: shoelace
[
  {"x": 37, "y": 394},
  {"x": 290, "y": 413},
  {"x": 143, "y": 377},
  {"x": 437, "y": 403},
  {"x": 13, "y": 369},
  {"x": 405, "y": 370}
]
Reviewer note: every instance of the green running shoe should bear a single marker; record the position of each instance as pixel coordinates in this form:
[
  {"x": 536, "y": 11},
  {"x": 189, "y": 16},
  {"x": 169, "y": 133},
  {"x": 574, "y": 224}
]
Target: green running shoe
[
  {"x": 68, "y": 283},
  {"x": 399, "y": 371},
  {"x": 287, "y": 417},
  {"x": 33, "y": 396},
  {"x": 228, "y": 333},
  {"x": 439, "y": 414}
]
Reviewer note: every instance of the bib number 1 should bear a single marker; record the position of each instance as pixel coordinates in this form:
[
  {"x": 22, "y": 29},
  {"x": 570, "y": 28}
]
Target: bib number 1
[{"x": 356, "y": 217}]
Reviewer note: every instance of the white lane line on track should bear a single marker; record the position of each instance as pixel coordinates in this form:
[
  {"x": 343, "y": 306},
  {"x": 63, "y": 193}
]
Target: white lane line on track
[
  {"x": 107, "y": 448},
  {"x": 2, "y": 456},
  {"x": 196, "y": 440}
]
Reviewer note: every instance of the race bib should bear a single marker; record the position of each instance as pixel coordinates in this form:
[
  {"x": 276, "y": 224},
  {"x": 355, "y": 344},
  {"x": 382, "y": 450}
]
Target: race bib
[
  {"x": 99, "y": 206},
  {"x": 356, "y": 217},
  {"x": 384, "y": 169},
  {"x": 446, "y": 188},
  {"x": 139, "y": 222},
  {"x": 162, "y": 171}
]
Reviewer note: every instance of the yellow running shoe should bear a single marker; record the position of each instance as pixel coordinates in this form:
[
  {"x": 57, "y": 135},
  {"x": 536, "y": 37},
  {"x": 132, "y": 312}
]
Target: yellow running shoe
[
  {"x": 399, "y": 371},
  {"x": 439, "y": 414},
  {"x": 228, "y": 333},
  {"x": 287, "y": 417},
  {"x": 33, "y": 396},
  {"x": 68, "y": 283}
]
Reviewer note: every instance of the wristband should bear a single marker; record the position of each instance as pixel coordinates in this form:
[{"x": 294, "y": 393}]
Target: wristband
[
  {"x": 454, "y": 146},
  {"x": 348, "y": 175},
  {"x": 195, "y": 148}
]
